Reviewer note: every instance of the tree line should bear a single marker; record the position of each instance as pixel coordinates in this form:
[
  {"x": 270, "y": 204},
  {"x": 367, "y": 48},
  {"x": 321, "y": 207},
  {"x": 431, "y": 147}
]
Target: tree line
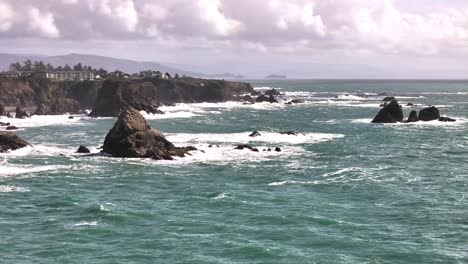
[{"x": 39, "y": 66}]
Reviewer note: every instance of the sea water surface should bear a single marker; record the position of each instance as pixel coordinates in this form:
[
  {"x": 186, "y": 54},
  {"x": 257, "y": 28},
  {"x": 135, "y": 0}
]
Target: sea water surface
[{"x": 343, "y": 191}]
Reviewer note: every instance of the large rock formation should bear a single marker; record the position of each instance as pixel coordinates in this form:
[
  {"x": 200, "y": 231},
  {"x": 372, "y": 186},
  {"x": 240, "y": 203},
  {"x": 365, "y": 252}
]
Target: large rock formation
[
  {"x": 264, "y": 98},
  {"x": 429, "y": 114},
  {"x": 133, "y": 137},
  {"x": 2, "y": 110},
  {"x": 42, "y": 109},
  {"x": 10, "y": 141},
  {"x": 272, "y": 92},
  {"x": 20, "y": 113},
  {"x": 65, "y": 105},
  {"x": 413, "y": 117},
  {"x": 148, "y": 94},
  {"x": 391, "y": 113}
]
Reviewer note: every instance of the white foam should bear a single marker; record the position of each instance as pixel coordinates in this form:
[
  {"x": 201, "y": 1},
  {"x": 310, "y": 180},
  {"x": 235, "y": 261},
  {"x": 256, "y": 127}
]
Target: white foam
[
  {"x": 46, "y": 120},
  {"x": 8, "y": 188},
  {"x": 266, "y": 137},
  {"x": 86, "y": 223},
  {"x": 14, "y": 169},
  {"x": 40, "y": 150},
  {"x": 290, "y": 182},
  {"x": 265, "y": 88}
]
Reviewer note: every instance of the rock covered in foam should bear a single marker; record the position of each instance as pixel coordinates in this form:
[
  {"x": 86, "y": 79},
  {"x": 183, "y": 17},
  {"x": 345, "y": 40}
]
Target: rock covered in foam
[
  {"x": 10, "y": 141},
  {"x": 133, "y": 137}
]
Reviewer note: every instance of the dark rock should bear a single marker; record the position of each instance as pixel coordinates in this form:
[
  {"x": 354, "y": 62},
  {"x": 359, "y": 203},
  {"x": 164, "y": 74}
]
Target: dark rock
[
  {"x": 382, "y": 94},
  {"x": 42, "y": 109},
  {"x": 62, "y": 106},
  {"x": 429, "y": 114},
  {"x": 240, "y": 147},
  {"x": 4, "y": 124},
  {"x": 277, "y": 149},
  {"x": 255, "y": 93},
  {"x": 255, "y": 150},
  {"x": 272, "y": 92},
  {"x": 10, "y": 141},
  {"x": 9, "y": 115},
  {"x": 388, "y": 99},
  {"x": 409, "y": 104},
  {"x": 247, "y": 98},
  {"x": 2, "y": 110},
  {"x": 11, "y": 128},
  {"x": 133, "y": 137},
  {"x": 83, "y": 149},
  {"x": 295, "y": 101},
  {"x": 264, "y": 98},
  {"x": 255, "y": 134},
  {"x": 391, "y": 113},
  {"x": 71, "y": 117},
  {"x": 413, "y": 117},
  {"x": 291, "y": 133},
  {"x": 269, "y": 149},
  {"x": 446, "y": 119},
  {"x": 20, "y": 113}
]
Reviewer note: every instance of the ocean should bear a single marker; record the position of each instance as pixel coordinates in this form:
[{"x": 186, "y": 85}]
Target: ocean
[{"x": 342, "y": 191}]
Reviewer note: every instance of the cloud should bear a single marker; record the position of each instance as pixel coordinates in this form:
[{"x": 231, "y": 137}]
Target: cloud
[{"x": 390, "y": 26}]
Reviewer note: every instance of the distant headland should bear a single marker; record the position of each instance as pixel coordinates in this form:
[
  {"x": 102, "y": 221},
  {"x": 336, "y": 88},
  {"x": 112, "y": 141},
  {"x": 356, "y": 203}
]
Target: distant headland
[{"x": 276, "y": 76}]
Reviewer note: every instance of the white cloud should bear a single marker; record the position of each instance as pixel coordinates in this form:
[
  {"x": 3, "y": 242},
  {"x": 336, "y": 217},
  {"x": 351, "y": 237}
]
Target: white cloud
[
  {"x": 43, "y": 23},
  {"x": 6, "y": 17},
  {"x": 210, "y": 12}
]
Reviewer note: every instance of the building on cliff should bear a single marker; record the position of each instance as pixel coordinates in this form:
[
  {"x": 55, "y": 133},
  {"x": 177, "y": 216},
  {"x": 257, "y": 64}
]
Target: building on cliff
[
  {"x": 66, "y": 75},
  {"x": 10, "y": 74}
]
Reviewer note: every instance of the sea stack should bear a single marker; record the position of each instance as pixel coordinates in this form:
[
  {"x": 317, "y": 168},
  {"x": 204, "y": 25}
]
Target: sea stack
[
  {"x": 133, "y": 137},
  {"x": 413, "y": 117},
  {"x": 429, "y": 114},
  {"x": 10, "y": 141},
  {"x": 391, "y": 113}
]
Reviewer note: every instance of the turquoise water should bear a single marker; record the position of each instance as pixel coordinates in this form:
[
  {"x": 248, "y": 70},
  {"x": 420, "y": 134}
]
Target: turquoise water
[{"x": 344, "y": 191}]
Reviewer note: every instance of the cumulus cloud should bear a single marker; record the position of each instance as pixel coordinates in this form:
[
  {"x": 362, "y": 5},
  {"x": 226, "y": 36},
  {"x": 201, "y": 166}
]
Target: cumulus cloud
[{"x": 385, "y": 25}]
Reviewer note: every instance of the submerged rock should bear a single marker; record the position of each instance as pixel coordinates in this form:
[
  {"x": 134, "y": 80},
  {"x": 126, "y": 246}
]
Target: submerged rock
[
  {"x": 255, "y": 134},
  {"x": 295, "y": 101},
  {"x": 391, "y": 113},
  {"x": 11, "y": 128},
  {"x": 413, "y": 117},
  {"x": 290, "y": 133},
  {"x": 429, "y": 114},
  {"x": 10, "y": 141},
  {"x": 20, "y": 113},
  {"x": 446, "y": 119},
  {"x": 83, "y": 149},
  {"x": 133, "y": 137}
]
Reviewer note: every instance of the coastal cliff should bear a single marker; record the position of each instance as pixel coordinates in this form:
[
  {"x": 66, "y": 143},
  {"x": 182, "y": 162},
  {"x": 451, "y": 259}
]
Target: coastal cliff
[{"x": 110, "y": 97}]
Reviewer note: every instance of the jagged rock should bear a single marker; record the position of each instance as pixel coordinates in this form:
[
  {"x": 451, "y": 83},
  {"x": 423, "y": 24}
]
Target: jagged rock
[
  {"x": 248, "y": 98},
  {"x": 4, "y": 124},
  {"x": 429, "y": 114},
  {"x": 291, "y": 133},
  {"x": 388, "y": 99},
  {"x": 272, "y": 92},
  {"x": 255, "y": 93},
  {"x": 446, "y": 119},
  {"x": 62, "y": 106},
  {"x": 20, "y": 113},
  {"x": 240, "y": 147},
  {"x": 10, "y": 141},
  {"x": 413, "y": 117},
  {"x": 133, "y": 137},
  {"x": 11, "y": 128},
  {"x": 42, "y": 109},
  {"x": 83, "y": 149},
  {"x": 295, "y": 101},
  {"x": 391, "y": 113},
  {"x": 264, "y": 98},
  {"x": 2, "y": 110},
  {"x": 255, "y": 134},
  {"x": 277, "y": 149}
]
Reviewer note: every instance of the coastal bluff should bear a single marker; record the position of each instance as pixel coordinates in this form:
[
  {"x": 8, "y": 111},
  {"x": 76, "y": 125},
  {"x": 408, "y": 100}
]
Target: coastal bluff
[{"x": 109, "y": 97}]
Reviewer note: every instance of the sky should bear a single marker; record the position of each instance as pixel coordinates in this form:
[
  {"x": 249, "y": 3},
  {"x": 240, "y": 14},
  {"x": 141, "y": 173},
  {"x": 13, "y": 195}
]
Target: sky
[{"x": 300, "y": 38}]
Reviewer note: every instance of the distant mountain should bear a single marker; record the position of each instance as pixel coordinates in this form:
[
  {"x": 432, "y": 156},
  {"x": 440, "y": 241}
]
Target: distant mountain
[
  {"x": 108, "y": 63},
  {"x": 276, "y": 76}
]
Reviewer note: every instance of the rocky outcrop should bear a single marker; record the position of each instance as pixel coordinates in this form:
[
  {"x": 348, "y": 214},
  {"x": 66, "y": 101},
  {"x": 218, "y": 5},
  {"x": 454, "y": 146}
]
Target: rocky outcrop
[
  {"x": 11, "y": 128},
  {"x": 391, "y": 113},
  {"x": 62, "y": 106},
  {"x": 272, "y": 92},
  {"x": 413, "y": 117},
  {"x": 264, "y": 98},
  {"x": 83, "y": 150},
  {"x": 446, "y": 119},
  {"x": 247, "y": 98},
  {"x": 4, "y": 124},
  {"x": 429, "y": 114},
  {"x": 42, "y": 109},
  {"x": 289, "y": 133},
  {"x": 388, "y": 99},
  {"x": 241, "y": 147},
  {"x": 10, "y": 141},
  {"x": 2, "y": 110},
  {"x": 20, "y": 113},
  {"x": 295, "y": 101},
  {"x": 133, "y": 137}
]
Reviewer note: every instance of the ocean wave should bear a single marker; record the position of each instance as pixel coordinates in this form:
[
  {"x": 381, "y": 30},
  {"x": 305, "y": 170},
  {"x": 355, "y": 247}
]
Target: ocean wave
[
  {"x": 45, "y": 120},
  {"x": 86, "y": 223},
  {"x": 266, "y": 137},
  {"x": 8, "y": 188},
  {"x": 8, "y": 169}
]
